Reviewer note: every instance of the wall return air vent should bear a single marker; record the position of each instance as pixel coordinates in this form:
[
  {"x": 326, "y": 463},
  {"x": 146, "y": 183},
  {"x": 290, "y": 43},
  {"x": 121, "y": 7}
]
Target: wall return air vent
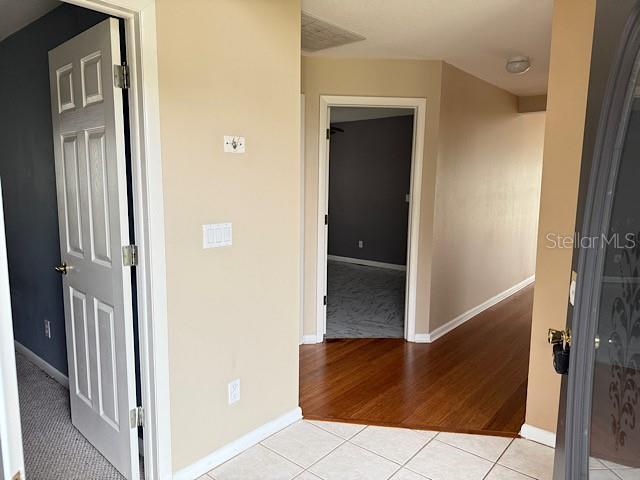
[{"x": 319, "y": 35}]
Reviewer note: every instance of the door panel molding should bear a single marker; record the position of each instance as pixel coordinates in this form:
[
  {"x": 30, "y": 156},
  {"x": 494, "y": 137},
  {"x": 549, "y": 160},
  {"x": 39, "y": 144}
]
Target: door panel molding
[
  {"x": 144, "y": 114},
  {"x": 98, "y": 310}
]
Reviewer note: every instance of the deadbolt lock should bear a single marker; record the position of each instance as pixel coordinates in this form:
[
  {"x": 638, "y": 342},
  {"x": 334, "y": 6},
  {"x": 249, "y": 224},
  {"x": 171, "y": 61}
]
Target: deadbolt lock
[{"x": 559, "y": 337}]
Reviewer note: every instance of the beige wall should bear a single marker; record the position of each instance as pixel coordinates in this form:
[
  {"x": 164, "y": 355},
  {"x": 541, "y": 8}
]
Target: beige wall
[
  {"x": 487, "y": 195},
  {"x": 483, "y": 249},
  {"x": 360, "y": 77},
  {"x": 532, "y": 103},
  {"x": 230, "y": 67},
  {"x": 571, "y": 40}
]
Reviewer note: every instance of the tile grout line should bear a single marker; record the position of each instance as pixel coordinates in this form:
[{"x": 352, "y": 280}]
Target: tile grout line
[
  {"x": 357, "y": 446},
  {"x": 471, "y": 453},
  {"x": 259, "y": 443},
  {"x": 509, "y": 468},
  {"x": 498, "y": 459},
  {"x": 505, "y": 450},
  {"x": 342, "y": 442},
  {"x": 282, "y": 456},
  {"x": 414, "y": 456},
  {"x": 349, "y": 441},
  {"x": 615, "y": 473},
  {"x": 399, "y": 465},
  {"x": 328, "y": 431},
  {"x": 387, "y": 458}
]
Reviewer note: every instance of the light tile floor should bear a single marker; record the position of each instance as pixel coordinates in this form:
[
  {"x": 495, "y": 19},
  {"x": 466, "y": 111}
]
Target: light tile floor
[{"x": 311, "y": 450}]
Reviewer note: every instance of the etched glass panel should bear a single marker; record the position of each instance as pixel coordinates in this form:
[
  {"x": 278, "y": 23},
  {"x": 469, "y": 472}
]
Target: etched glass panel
[{"x": 615, "y": 418}]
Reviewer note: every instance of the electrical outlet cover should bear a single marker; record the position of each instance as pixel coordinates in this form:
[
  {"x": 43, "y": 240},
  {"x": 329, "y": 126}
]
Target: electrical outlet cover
[{"x": 234, "y": 391}]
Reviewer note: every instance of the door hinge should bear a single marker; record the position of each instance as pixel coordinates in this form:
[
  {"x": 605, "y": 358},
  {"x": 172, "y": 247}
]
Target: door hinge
[
  {"x": 136, "y": 417},
  {"x": 326, "y": 219},
  {"x": 324, "y": 300},
  {"x": 328, "y": 133},
  {"x": 121, "y": 76},
  {"x": 130, "y": 255}
]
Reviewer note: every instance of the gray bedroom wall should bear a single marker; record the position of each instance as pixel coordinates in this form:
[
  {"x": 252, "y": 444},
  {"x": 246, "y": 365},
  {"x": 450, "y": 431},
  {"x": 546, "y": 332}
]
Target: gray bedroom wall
[
  {"x": 28, "y": 178},
  {"x": 369, "y": 177}
]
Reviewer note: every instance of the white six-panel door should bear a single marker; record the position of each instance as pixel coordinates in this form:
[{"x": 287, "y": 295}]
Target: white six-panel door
[{"x": 88, "y": 134}]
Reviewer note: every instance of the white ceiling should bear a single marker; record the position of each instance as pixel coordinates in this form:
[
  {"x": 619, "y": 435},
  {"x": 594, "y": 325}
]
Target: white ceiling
[
  {"x": 15, "y": 14},
  {"x": 352, "y": 114},
  {"x": 476, "y": 36}
]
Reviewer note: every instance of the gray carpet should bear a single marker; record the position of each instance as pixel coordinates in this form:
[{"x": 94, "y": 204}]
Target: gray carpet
[
  {"x": 53, "y": 448},
  {"x": 364, "y": 302}
]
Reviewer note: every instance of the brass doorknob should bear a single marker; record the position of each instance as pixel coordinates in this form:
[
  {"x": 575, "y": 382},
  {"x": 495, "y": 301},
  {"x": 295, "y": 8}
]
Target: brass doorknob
[
  {"x": 557, "y": 337},
  {"x": 63, "y": 269}
]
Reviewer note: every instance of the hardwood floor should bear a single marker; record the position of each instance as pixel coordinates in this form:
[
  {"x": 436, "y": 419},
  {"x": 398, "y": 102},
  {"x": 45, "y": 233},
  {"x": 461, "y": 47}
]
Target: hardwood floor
[{"x": 472, "y": 380}]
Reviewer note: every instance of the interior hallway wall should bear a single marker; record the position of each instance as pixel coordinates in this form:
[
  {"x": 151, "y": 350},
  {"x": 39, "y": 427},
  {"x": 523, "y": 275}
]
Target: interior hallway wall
[
  {"x": 230, "y": 67},
  {"x": 369, "y": 77},
  {"x": 27, "y": 169},
  {"x": 571, "y": 44},
  {"x": 369, "y": 178},
  {"x": 487, "y": 195},
  {"x": 481, "y": 180},
  {"x": 610, "y": 19}
]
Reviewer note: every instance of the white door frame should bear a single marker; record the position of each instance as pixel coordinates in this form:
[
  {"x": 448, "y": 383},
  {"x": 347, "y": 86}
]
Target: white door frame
[
  {"x": 11, "y": 451},
  {"x": 148, "y": 212},
  {"x": 302, "y": 174},
  {"x": 419, "y": 105}
]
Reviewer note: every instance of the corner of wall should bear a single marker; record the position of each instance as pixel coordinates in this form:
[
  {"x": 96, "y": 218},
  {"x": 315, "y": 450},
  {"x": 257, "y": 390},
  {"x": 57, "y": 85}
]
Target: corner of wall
[
  {"x": 468, "y": 105},
  {"x": 571, "y": 44}
]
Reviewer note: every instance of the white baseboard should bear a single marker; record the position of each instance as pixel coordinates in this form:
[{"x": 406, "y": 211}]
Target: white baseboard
[
  {"x": 421, "y": 338},
  {"x": 459, "y": 320},
  {"x": 196, "y": 470},
  {"x": 368, "y": 263},
  {"x": 309, "y": 340},
  {"x": 47, "y": 368},
  {"x": 538, "y": 435}
]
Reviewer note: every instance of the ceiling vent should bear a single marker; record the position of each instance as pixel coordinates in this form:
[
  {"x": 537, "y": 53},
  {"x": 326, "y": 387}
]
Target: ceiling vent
[{"x": 319, "y": 35}]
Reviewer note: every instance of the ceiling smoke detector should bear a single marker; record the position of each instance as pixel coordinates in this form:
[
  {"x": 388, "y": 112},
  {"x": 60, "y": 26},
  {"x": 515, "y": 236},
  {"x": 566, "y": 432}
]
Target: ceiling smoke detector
[
  {"x": 319, "y": 35},
  {"x": 518, "y": 65}
]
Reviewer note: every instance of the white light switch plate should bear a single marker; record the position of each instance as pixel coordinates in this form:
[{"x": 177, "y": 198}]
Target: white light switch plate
[
  {"x": 217, "y": 235},
  {"x": 233, "y": 144}
]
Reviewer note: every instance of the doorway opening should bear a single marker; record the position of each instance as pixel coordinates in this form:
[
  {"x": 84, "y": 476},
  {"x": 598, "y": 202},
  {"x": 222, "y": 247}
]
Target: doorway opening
[
  {"x": 370, "y": 158},
  {"x": 69, "y": 208},
  {"x": 370, "y": 177}
]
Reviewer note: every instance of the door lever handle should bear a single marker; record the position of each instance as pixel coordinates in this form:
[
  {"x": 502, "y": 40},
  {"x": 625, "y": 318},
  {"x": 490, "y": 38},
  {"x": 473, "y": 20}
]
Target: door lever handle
[
  {"x": 559, "y": 337},
  {"x": 561, "y": 342},
  {"x": 63, "y": 269}
]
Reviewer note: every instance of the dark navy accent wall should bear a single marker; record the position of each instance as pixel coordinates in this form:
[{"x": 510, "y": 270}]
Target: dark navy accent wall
[
  {"x": 369, "y": 177},
  {"x": 28, "y": 178}
]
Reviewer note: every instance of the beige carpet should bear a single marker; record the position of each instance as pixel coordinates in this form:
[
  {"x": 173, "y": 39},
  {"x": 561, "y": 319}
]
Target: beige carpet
[{"x": 53, "y": 448}]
